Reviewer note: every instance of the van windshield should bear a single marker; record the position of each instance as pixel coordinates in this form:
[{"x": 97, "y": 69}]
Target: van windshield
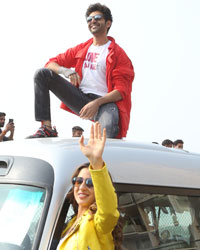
[
  {"x": 20, "y": 212},
  {"x": 155, "y": 221}
]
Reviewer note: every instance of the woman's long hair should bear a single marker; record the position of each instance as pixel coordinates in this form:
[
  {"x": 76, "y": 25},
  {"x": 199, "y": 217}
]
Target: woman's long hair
[{"x": 117, "y": 232}]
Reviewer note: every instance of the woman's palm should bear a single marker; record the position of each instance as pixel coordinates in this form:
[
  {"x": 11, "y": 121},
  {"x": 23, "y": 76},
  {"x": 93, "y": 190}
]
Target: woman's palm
[{"x": 94, "y": 149}]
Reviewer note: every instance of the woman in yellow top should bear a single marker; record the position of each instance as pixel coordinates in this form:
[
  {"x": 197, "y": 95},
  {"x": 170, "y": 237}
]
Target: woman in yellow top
[{"x": 95, "y": 226}]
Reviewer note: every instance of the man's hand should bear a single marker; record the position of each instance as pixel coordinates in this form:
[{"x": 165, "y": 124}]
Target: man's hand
[
  {"x": 89, "y": 110},
  {"x": 94, "y": 149},
  {"x": 10, "y": 127},
  {"x": 75, "y": 79}
]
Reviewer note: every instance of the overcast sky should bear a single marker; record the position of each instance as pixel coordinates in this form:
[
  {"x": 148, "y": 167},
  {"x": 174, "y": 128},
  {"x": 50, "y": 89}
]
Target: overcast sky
[{"x": 161, "y": 37}]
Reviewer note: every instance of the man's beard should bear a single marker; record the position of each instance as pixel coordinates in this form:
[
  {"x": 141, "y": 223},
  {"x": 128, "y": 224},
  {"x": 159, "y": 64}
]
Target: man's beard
[{"x": 99, "y": 29}]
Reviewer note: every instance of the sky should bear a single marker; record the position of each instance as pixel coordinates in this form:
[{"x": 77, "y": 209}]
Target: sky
[{"x": 161, "y": 37}]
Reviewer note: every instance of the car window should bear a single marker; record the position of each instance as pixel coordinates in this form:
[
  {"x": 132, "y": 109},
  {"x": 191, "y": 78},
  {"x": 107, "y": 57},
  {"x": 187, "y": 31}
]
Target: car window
[
  {"x": 70, "y": 214},
  {"x": 160, "y": 221},
  {"x": 20, "y": 212}
]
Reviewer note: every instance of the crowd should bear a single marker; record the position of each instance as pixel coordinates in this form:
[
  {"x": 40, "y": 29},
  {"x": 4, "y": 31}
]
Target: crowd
[
  {"x": 7, "y": 132},
  {"x": 173, "y": 144},
  {"x": 178, "y": 144}
]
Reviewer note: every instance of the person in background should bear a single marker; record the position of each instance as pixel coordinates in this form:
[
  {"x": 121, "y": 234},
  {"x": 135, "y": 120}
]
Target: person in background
[
  {"x": 77, "y": 131},
  {"x": 8, "y": 128},
  {"x": 178, "y": 144},
  {"x": 167, "y": 143},
  {"x": 99, "y": 89},
  {"x": 94, "y": 201}
]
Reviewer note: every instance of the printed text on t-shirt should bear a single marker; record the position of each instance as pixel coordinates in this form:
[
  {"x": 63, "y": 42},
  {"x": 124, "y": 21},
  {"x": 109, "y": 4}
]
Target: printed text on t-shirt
[{"x": 91, "y": 60}]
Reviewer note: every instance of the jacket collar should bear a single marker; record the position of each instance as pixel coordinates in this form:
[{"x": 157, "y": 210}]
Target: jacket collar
[{"x": 82, "y": 52}]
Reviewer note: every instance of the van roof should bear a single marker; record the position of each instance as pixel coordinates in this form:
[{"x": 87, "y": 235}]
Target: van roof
[{"x": 128, "y": 161}]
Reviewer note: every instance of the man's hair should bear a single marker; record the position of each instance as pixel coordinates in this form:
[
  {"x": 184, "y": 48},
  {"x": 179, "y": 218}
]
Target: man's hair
[
  {"x": 167, "y": 142},
  {"x": 101, "y": 8},
  {"x": 178, "y": 141},
  {"x": 2, "y": 114},
  {"x": 77, "y": 128}
]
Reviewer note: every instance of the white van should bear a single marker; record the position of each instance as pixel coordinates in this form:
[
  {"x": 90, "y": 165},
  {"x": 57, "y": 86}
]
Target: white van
[{"x": 158, "y": 191}]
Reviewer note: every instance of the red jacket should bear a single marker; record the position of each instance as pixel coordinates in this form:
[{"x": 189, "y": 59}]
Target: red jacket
[{"x": 119, "y": 75}]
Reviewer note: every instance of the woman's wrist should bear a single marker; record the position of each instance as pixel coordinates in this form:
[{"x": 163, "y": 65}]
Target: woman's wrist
[{"x": 97, "y": 163}]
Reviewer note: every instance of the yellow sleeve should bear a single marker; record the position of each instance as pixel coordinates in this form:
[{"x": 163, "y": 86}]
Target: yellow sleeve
[{"x": 107, "y": 213}]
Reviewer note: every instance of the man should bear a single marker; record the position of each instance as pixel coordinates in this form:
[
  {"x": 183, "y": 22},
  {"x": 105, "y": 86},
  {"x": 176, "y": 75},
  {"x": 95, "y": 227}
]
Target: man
[
  {"x": 167, "y": 143},
  {"x": 178, "y": 144},
  {"x": 100, "y": 87},
  {"x": 77, "y": 131},
  {"x": 9, "y": 128}
]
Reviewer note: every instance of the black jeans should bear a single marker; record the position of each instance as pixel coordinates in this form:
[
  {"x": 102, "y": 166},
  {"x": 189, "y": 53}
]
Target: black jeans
[{"x": 74, "y": 98}]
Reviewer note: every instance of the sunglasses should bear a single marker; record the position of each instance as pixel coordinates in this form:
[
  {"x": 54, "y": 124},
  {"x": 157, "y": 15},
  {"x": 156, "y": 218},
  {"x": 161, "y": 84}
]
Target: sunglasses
[
  {"x": 96, "y": 18},
  {"x": 77, "y": 181}
]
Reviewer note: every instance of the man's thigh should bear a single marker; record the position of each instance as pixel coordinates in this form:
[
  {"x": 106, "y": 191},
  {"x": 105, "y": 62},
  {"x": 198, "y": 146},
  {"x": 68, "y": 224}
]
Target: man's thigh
[{"x": 70, "y": 95}]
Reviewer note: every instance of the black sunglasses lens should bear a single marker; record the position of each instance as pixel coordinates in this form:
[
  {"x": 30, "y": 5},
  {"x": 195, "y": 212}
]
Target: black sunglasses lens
[
  {"x": 89, "y": 182},
  {"x": 73, "y": 180},
  {"x": 77, "y": 180},
  {"x": 97, "y": 17},
  {"x": 89, "y": 19}
]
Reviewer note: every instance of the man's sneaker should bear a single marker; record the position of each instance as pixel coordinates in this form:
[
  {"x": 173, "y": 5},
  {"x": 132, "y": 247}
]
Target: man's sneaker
[{"x": 44, "y": 132}]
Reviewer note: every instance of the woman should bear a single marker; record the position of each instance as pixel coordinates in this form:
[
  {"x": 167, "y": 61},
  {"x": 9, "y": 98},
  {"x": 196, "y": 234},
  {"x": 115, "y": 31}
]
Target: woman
[{"x": 92, "y": 228}]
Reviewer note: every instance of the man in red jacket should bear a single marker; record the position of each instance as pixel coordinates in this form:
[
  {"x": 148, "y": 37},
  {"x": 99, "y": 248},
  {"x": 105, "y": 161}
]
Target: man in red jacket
[{"x": 99, "y": 87}]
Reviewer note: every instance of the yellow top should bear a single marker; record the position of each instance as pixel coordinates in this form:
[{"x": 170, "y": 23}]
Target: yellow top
[{"x": 95, "y": 232}]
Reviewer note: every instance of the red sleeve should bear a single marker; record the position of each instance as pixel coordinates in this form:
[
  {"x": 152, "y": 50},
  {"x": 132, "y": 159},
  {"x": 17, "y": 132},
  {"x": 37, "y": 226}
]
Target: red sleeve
[
  {"x": 123, "y": 75},
  {"x": 70, "y": 57},
  {"x": 66, "y": 59}
]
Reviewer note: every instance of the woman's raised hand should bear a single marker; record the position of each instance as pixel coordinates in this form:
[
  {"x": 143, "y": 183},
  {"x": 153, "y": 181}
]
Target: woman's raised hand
[{"x": 94, "y": 149}]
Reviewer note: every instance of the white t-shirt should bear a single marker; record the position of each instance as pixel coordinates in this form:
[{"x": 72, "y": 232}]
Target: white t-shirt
[{"x": 94, "y": 70}]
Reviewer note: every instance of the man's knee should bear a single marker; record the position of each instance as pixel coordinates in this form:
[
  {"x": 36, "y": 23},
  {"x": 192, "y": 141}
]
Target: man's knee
[
  {"x": 42, "y": 73},
  {"x": 108, "y": 116}
]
